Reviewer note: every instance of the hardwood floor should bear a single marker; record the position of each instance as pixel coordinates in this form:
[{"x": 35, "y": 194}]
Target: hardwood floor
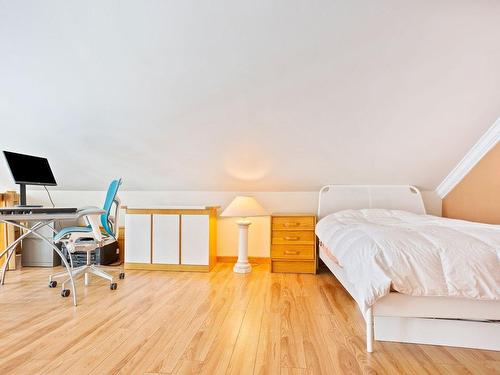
[{"x": 206, "y": 323}]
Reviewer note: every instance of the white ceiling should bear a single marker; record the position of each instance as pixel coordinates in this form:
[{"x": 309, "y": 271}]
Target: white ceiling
[{"x": 247, "y": 95}]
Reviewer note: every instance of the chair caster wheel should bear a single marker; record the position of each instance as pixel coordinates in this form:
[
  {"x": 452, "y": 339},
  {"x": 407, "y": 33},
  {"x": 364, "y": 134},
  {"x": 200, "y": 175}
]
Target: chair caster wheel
[
  {"x": 122, "y": 275},
  {"x": 52, "y": 284},
  {"x": 65, "y": 293},
  {"x": 113, "y": 286}
]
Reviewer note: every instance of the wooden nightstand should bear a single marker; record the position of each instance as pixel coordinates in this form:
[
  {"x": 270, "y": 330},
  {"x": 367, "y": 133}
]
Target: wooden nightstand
[{"x": 293, "y": 243}]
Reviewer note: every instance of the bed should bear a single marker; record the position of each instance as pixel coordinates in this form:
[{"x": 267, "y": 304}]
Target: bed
[{"x": 470, "y": 318}]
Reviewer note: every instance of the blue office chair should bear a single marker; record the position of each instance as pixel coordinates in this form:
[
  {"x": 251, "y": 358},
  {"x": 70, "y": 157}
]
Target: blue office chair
[{"x": 90, "y": 238}]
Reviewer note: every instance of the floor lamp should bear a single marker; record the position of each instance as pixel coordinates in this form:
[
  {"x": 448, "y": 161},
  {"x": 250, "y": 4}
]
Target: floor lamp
[{"x": 243, "y": 207}]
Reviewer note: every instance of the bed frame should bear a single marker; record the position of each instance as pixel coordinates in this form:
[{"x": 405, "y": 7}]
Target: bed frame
[{"x": 401, "y": 318}]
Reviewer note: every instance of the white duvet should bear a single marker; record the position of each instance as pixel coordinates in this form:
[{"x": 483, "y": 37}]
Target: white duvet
[{"x": 419, "y": 255}]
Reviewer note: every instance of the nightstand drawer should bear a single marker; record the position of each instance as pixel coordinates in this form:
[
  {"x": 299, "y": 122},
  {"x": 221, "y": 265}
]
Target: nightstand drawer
[
  {"x": 293, "y": 251},
  {"x": 294, "y": 266},
  {"x": 290, "y": 237},
  {"x": 293, "y": 222}
]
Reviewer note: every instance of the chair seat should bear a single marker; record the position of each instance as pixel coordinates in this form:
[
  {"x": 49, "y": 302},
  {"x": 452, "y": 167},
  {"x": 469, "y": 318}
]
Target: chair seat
[{"x": 68, "y": 230}]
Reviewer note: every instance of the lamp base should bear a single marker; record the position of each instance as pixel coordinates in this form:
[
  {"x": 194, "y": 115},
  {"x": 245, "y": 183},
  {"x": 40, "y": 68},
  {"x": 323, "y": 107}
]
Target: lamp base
[
  {"x": 242, "y": 268},
  {"x": 242, "y": 265}
]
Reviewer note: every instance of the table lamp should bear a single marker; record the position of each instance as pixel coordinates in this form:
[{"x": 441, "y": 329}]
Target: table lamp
[{"x": 243, "y": 207}]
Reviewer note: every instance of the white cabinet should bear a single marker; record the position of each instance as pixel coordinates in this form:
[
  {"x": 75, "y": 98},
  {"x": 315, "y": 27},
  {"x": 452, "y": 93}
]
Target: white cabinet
[
  {"x": 166, "y": 244},
  {"x": 37, "y": 253},
  {"x": 195, "y": 239},
  {"x": 176, "y": 239},
  {"x": 138, "y": 238}
]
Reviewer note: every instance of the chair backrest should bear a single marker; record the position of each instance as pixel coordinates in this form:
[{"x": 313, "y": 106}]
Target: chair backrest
[{"x": 109, "y": 227}]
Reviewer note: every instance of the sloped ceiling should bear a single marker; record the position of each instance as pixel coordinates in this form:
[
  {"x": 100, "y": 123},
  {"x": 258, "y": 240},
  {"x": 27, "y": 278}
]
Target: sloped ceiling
[{"x": 247, "y": 95}]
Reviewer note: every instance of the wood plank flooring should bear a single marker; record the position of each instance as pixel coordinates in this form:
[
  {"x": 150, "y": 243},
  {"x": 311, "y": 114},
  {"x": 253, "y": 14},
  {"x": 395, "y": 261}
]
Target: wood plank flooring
[{"x": 198, "y": 323}]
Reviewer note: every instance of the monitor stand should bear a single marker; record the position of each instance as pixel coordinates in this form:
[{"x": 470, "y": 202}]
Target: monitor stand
[{"x": 22, "y": 200}]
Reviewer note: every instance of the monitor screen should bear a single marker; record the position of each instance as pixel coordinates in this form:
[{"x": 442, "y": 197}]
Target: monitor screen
[{"x": 29, "y": 170}]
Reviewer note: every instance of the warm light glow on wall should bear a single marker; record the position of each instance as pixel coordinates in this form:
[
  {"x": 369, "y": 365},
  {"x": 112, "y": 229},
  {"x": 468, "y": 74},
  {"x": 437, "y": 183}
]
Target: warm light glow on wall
[{"x": 247, "y": 165}]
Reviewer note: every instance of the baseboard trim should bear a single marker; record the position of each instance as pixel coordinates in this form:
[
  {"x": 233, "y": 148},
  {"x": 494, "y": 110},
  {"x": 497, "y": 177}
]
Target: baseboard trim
[
  {"x": 166, "y": 267},
  {"x": 233, "y": 259}
]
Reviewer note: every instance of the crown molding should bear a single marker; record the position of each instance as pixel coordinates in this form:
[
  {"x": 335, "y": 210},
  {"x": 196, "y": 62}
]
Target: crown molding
[{"x": 475, "y": 154}]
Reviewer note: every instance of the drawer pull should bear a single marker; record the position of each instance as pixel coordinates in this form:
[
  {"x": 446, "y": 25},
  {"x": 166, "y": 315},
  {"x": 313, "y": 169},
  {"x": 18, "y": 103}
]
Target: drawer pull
[
  {"x": 291, "y": 224},
  {"x": 292, "y": 252},
  {"x": 291, "y": 238}
]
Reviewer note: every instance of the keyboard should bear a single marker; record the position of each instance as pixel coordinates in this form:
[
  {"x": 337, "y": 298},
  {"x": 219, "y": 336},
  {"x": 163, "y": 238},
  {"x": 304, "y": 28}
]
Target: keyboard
[{"x": 36, "y": 210}]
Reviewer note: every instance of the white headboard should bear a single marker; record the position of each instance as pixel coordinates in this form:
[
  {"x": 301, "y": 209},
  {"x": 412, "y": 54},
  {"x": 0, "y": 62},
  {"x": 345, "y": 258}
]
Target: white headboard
[{"x": 333, "y": 198}]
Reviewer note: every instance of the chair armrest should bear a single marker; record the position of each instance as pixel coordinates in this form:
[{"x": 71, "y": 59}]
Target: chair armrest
[
  {"x": 92, "y": 215},
  {"x": 87, "y": 208},
  {"x": 90, "y": 211}
]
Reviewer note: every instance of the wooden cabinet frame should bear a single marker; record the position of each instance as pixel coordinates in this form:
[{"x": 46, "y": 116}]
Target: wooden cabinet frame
[{"x": 211, "y": 212}]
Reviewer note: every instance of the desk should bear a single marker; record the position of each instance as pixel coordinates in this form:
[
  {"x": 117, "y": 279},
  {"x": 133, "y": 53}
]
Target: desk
[{"x": 39, "y": 221}]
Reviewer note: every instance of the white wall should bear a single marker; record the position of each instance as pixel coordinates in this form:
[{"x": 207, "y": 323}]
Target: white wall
[
  {"x": 265, "y": 95},
  {"x": 227, "y": 240}
]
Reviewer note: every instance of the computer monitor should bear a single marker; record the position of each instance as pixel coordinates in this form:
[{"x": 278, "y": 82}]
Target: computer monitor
[{"x": 29, "y": 170}]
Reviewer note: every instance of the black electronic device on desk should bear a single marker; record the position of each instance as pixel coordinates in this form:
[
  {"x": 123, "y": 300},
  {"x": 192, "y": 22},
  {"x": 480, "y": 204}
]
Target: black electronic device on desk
[{"x": 29, "y": 170}]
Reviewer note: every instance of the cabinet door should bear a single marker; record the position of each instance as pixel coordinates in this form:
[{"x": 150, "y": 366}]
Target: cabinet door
[
  {"x": 194, "y": 239},
  {"x": 138, "y": 238},
  {"x": 166, "y": 239}
]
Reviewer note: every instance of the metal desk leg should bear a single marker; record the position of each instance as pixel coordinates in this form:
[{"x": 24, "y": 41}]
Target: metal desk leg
[
  {"x": 33, "y": 231},
  {"x": 11, "y": 249},
  {"x": 65, "y": 262}
]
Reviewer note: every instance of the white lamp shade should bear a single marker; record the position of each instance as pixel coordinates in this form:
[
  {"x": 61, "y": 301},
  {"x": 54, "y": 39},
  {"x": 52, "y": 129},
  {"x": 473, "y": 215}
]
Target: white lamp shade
[{"x": 242, "y": 206}]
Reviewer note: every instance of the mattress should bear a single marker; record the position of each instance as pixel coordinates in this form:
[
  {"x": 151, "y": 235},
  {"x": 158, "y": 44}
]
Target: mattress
[{"x": 416, "y": 255}]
